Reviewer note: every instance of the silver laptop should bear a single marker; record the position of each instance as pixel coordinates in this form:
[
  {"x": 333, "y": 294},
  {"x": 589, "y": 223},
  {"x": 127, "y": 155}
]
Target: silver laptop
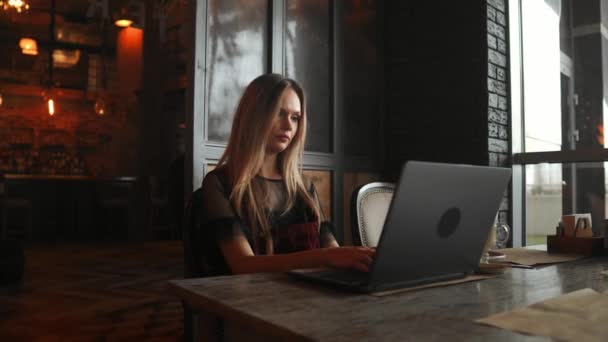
[{"x": 435, "y": 229}]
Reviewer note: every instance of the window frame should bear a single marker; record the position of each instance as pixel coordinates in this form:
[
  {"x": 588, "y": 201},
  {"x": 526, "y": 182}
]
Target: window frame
[
  {"x": 520, "y": 158},
  {"x": 200, "y": 152}
]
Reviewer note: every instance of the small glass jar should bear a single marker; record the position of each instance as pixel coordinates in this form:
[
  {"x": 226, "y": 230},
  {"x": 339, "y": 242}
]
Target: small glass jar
[{"x": 502, "y": 235}]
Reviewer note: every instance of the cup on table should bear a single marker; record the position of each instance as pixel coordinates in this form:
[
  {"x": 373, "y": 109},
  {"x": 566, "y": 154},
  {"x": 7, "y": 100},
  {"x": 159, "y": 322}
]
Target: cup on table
[{"x": 490, "y": 244}]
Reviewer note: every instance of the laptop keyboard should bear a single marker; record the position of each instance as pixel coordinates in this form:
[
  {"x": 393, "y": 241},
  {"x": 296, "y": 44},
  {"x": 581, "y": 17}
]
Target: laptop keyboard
[{"x": 345, "y": 276}]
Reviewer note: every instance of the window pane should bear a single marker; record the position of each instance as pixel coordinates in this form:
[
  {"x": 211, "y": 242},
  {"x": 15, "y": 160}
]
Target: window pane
[
  {"x": 307, "y": 60},
  {"x": 360, "y": 78},
  {"x": 24, "y": 45},
  {"x": 553, "y": 190},
  {"x": 70, "y": 68},
  {"x": 237, "y": 53},
  {"x": 543, "y": 201},
  {"x": 565, "y": 26},
  {"x": 541, "y": 63}
]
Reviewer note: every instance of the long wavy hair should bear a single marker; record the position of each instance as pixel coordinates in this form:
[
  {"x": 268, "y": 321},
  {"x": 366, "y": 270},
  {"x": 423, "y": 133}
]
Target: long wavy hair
[{"x": 244, "y": 155}]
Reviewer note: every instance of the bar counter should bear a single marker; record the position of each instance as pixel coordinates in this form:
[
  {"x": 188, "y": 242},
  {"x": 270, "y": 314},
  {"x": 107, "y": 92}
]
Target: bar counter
[
  {"x": 72, "y": 207},
  {"x": 14, "y": 176}
]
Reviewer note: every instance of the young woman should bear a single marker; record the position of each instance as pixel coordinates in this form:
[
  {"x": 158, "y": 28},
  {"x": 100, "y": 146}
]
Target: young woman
[{"x": 260, "y": 212}]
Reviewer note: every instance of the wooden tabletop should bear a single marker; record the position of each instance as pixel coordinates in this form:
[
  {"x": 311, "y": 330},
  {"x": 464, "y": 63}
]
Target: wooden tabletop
[{"x": 292, "y": 309}]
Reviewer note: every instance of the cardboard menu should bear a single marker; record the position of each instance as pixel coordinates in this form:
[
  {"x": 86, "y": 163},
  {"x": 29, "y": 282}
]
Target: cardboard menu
[
  {"x": 577, "y": 316},
  {"x": 533, "y": 257}
]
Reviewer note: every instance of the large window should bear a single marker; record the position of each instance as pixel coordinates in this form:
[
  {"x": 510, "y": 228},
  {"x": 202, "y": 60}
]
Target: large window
[
  {"x": 541, "y": 64},
  {"x": 558, "y": 114},
  {"x": 237, "y": 40},
  {"x": 237, "y": 47},
  {"x": 307, "y": 59}
]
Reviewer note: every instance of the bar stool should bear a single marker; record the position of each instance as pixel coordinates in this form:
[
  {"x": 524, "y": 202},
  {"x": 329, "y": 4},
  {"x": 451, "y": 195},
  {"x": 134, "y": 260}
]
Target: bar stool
[
  {"x": 15, "y": 205},
  {"x": 116, "y": 201},
  {"x": 159, "y": 222}
]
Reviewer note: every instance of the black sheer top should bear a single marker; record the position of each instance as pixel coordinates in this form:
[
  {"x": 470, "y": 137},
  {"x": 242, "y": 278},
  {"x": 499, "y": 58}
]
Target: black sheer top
[{"x": 292, "y": 231}]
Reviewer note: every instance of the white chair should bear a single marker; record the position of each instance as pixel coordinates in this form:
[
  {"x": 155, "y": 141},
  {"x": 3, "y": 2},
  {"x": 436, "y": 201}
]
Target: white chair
[{"x": 369, "y": 207}]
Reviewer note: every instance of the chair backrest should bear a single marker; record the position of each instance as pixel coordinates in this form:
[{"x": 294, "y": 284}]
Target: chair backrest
[
  {"x": 158, "y": 187},
  {"x": 369, "y": 207},
  {"x": 2, "y": 186},
  {"x": 117, "y": 191},
  {"x": 194, "y": 266},
  {"x": 202, "y": 254}
]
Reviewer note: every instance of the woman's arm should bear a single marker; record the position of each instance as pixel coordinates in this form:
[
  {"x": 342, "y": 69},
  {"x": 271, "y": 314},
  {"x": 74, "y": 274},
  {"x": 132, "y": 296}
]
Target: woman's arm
[
  {"x": 326, "y": 235},
  {"x": 332, "y": 243},
  {"x": 240, "y": 258}
]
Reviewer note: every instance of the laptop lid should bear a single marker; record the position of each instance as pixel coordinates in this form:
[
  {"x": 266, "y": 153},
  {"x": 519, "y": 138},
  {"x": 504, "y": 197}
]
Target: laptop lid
[{"x": 438, "y": 222}]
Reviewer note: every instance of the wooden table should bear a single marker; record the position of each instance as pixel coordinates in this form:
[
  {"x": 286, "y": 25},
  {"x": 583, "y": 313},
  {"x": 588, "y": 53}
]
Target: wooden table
[{"x": 277, "y": 307}]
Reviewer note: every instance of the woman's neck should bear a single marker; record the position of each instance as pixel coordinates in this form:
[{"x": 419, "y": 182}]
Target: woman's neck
[{"x": 270, "y": 167}]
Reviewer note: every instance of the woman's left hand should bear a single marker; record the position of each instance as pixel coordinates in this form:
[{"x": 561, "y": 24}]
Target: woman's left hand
[{"x": 359, "y": 258}]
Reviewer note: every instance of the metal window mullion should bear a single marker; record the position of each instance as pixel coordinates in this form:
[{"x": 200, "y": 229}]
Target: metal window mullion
[
  {"x": 277, "y": 38},
  {"x": 517, "y": 123},
  {"x": 561, "y": 157},
  {"x": 336, "y": 100},
  {"x": 196, "y": 104}
]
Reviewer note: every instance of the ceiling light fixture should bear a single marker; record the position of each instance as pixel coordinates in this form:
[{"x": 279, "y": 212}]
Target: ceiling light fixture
[
  {"x": 17, "y": 5},
  {"x": 123, "y": 22},
  {"x": 123, "y": 18}
]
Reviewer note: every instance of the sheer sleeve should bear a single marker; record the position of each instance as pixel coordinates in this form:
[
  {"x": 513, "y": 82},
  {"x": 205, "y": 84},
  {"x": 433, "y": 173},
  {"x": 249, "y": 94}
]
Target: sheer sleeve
[
  {"x": 219, "y": 217},
  {"x": 326, "y": 230}
]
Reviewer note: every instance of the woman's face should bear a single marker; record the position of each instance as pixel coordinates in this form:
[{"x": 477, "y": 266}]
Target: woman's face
[{"x": 285, "y": 124}]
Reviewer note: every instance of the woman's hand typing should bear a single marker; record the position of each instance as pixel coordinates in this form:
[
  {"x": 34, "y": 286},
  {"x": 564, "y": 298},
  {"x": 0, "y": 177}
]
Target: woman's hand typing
[{"x": 359, "y": 258}]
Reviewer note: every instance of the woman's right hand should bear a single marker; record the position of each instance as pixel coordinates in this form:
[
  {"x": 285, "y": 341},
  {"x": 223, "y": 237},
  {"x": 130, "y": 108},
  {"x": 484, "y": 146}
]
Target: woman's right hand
[{"x": 359, "y": 258}]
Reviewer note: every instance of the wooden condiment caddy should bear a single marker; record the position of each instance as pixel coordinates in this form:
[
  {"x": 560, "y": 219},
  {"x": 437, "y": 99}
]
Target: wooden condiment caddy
[
  {"x": 587, "y": 246},
  {"x": 574, "y": 235}
]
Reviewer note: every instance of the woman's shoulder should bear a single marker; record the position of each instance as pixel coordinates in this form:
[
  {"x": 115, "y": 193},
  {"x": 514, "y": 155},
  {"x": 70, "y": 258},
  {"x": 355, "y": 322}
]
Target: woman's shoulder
[
  {"x": 218, "y": 172},
  {"x": 216, "y": 178}
]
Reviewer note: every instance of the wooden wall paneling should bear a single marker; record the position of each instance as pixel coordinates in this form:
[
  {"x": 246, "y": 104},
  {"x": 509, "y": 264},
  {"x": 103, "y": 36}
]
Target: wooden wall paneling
[{"x": 323, "y": 183}]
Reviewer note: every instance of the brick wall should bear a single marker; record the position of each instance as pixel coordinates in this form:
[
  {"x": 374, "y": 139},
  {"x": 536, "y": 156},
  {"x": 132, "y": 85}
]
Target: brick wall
[
  {"x": 446, "y": 70},
  {"x": 436, "y": 82},
  {"x": 110, "y": 138},
  {"x": 498, "y": 111}
]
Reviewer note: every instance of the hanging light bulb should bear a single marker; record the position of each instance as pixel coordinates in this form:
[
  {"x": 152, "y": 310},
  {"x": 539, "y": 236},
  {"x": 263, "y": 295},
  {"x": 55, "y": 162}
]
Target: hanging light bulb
[
  {"x": 100, "y": 106},
  {"x": 1, "y": 100},
  {"x": 51, "y": 106},
  {"x": 48, "y": 96}
]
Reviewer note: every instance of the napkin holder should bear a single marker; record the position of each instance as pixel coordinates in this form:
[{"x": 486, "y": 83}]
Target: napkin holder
[
  {"x": 575, "y": 236},
  {"x": 587, "y": 246}
]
